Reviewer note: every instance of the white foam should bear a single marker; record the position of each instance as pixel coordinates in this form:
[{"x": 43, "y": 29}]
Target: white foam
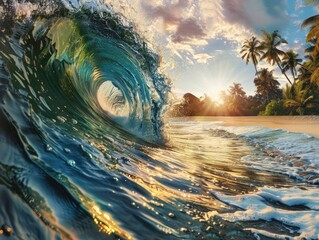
[
  {"x": 24, "y": 9},
  {"x": 93, "y": 5},
  {"x": 297, "y": 156},
  {"x": 257, "y": 206},
  {"x": 299, "y": 144}
]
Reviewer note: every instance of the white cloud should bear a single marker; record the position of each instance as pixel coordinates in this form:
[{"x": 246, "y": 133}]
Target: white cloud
[
  {"x": 202, "y": 57},
  {"x": 183, "y": 25},
  {"x": 299, "y": 4},
  {"x": 297, "y": 23}
]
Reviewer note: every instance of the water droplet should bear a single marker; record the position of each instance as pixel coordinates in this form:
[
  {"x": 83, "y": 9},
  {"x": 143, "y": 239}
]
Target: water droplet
[
  {"x": 71, "y": 163},
  {"x": 48, "y": 148},
  {"x": 67, "y": 150},
  {"x": 61, "y": 119},
  {"x": 183, "y": 229},
  {"x": 208, "y": 228}
]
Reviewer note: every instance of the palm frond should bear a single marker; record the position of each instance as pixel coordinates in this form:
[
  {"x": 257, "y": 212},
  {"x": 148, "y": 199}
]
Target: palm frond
[
  {"x": 313, "y": 33},
  {"x": 310, "y": 21},
  {"x": 315, "y": 77},
  {"x": 291, "y": 103},
  {"x": 316, "y": 2}
]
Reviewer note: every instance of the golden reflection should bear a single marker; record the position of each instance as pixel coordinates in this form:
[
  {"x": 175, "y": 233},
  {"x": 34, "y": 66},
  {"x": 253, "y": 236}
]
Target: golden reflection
[{"x": 104, "y": 220}]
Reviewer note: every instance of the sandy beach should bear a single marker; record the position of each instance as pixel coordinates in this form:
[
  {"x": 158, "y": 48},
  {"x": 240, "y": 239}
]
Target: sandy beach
[{"x": 303, "y": 124}]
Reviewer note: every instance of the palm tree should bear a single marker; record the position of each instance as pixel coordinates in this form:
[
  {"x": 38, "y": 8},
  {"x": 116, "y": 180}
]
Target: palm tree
[
  {"x": 313, "y": 39},
  {"x": 267, "y": 85},
  {"x": 313, "y": 34},
  {"x": 299, "y": 98},
  {"x": 236, "y": 90},
  {"x": 236, "y": 98},
  {"x": 309, "y": 69},
  {"x": 271, "y": 53},
  {"x": 312, "y": 22},
  {"x": 251, "y": 50},
  {"x": 289, "y": 62}
]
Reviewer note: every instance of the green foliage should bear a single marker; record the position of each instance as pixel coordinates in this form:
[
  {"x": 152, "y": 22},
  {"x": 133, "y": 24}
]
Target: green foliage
[
  {"x": 235, "y": 100},
  {"x": 289, "y": 62},
  {"x": 300, "y": 98},
  {"x": 191, "y": 105},
  {"x": 270, "y": 45},
  {"x": 275, "y": 108},
  {"x": 251, "y": 50},
  {"x": 268, "y": 49},
  {"x": 267, "y": 85}
]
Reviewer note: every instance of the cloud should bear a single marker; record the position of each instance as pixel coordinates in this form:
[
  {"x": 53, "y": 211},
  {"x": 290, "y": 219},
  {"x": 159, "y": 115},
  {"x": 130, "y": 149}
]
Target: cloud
[
  {"x": 178, "y": 18},
  {"x": 202, "y": 57},
  {"x": 299, "y": 4},
  {"x": 170, "y": 12},
  {"x": 259, "y": 15},
  {"x": 187, "y": 30},
  {"x": 185, "y": 26}
]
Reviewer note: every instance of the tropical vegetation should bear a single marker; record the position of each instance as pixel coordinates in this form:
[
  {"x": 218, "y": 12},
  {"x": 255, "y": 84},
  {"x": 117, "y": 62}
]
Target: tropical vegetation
[{"x": 299, "y": 96}]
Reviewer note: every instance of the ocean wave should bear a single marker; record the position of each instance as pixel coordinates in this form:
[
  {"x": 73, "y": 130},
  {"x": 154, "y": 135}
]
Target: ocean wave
[
  {"x": 280, "y": 151},
  {"x": 93, "y": 62},
  {"x": 79, "y": 89}
]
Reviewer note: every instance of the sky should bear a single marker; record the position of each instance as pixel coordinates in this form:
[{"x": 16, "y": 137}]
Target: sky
[{"x": 199, "y": 40}]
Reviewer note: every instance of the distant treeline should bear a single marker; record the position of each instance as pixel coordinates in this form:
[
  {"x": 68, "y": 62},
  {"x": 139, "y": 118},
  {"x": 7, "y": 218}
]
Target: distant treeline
[
  {"x": 191, "y": 105},
  {"x": 235, "y": 102}
]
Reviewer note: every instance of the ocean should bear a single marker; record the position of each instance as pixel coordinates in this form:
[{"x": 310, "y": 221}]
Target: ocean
[{"x": 87, "y": 154}]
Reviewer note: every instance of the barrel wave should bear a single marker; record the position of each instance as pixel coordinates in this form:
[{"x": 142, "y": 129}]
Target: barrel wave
[
  {"x": 103, "y": 72},
  {"x": 79, "y": 87}
]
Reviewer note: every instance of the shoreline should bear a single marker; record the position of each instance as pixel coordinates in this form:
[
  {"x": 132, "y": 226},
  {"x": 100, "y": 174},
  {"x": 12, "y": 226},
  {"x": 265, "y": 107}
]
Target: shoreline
[{"x": 300, "y": 124}]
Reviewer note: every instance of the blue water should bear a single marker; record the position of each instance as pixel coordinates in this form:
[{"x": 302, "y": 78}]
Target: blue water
[{"x": 87, "y": 154}]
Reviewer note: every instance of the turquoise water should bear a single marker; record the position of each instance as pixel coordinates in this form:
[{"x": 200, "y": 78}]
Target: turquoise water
[{"x": 86, "y": 153}]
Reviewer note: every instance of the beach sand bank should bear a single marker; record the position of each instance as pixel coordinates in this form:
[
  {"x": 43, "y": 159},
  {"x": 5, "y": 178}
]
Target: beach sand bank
[{"x": 302, "y": 124}]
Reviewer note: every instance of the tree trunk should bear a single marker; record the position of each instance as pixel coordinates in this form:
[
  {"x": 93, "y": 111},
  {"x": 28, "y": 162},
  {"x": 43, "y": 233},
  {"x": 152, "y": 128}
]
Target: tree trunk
[
  {"x": 284, "y": 73},
  {"x": 301, "y": 65},
  {"x": 293, "y": 74}
]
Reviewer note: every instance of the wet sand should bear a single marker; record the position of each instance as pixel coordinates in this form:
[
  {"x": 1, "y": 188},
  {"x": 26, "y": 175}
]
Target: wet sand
[{"x": 303, "y": 124}]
